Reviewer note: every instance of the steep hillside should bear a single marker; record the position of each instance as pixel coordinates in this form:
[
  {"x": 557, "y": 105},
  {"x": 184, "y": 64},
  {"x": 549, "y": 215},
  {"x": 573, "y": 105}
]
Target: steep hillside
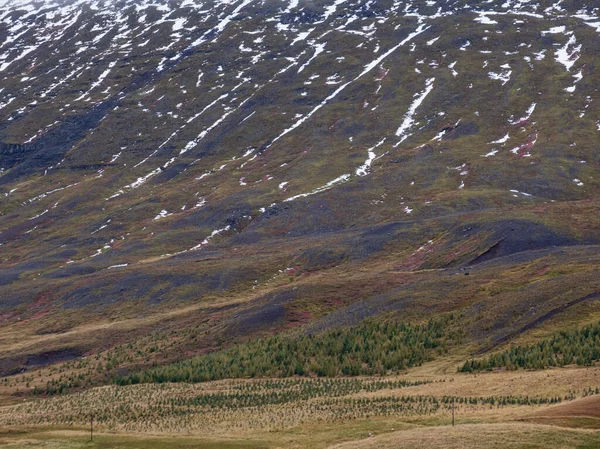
[{"x": 179, "y": 175}]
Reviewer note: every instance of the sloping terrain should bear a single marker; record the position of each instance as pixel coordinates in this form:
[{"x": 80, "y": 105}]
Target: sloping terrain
[
  {"x": 197, "y": 172},
  {"x": 582, "y": 413}
]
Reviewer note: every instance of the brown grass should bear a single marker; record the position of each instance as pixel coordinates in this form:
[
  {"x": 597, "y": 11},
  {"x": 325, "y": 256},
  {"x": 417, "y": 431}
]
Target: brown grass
[
  {"x": 474, "y": 436},
  {"x": 586, "y": 407}
]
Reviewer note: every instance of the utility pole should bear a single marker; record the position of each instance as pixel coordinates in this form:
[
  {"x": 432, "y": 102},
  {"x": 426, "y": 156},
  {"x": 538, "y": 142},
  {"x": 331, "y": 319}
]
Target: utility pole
[
  {"x": 92, "y": 427},
  {"x": 453, "y": 412}
]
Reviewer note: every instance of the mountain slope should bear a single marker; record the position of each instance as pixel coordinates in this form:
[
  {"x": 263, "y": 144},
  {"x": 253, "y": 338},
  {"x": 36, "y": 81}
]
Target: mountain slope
[{"x": 232, "y": 168}]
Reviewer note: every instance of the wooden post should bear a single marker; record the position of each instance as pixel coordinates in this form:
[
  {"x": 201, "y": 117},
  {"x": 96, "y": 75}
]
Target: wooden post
[
  {"x": 91, "y": 427},
  {"x": 452, "y": 412}
]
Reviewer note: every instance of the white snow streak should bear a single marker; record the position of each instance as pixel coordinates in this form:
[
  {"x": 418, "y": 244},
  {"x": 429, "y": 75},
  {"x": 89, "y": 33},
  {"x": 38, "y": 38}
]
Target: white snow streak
[
  {"x": 408, "y": 118},
  {"x": 525, "y": 117},
  {"x": 329, "y": 185},
  {"x": 421, "y": 28},
  {"x": 364, "y": 169}
]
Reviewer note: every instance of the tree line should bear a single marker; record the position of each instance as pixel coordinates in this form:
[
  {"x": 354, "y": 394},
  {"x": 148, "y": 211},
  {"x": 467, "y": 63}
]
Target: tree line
[
  {"x": 579, "y": 346},
  {"x": 373, "y": 347}
]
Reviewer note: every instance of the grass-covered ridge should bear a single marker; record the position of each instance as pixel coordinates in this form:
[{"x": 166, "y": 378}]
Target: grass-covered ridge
[
  {"x": 371, "y": 347},
  {"x": 579, "y": 346}
]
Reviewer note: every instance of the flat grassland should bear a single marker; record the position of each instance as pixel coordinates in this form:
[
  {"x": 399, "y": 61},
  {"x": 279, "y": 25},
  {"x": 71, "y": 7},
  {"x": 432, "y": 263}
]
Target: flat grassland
[{"x": 516, "y": 409}]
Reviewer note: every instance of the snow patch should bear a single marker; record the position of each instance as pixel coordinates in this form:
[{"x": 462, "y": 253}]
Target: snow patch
[
  {"x": 364, "y": 169},
  {"x": 502, "y": 139},
  {"x": 525, "y": 117},
  {"x": 329, "y": 185},
  {"x": 162, "y": 214},
  {"x": 210, "y": 237},
  {"x": 569, "y": 54},
  {"x": 409, "y": 121}
]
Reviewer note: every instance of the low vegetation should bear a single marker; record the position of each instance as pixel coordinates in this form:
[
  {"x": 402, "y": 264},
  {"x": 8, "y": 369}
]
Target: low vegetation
[{"x": 222, "y": 407}]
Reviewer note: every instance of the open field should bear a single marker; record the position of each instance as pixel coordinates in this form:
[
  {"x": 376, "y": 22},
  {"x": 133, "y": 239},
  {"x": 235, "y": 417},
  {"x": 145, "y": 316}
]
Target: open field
[
  {"x": 380, "y": 434},
  {"x": 484, "y": 436},
  {"x": 519, "y": 409}
]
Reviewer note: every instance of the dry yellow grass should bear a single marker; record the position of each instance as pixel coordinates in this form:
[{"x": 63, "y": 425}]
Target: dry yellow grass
[
  {"x": 377, "y": 433},
  {"x": 127, "y": 416},
  {"x": 586, "y": 407},
  {"x": 484, "y": 436},
  {"x": 250, "y": 406},
  {"x": 548, "y": 382}
]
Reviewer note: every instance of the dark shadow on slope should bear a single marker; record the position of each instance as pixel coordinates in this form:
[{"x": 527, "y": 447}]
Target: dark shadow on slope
[
  {"x": 368, "y": 307},
  {"x": 515, "y": 236},
  {"x": 49, "y": 149},
  {"x": 17, "y": 364},
  {"x": 261, "y": 314}
]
